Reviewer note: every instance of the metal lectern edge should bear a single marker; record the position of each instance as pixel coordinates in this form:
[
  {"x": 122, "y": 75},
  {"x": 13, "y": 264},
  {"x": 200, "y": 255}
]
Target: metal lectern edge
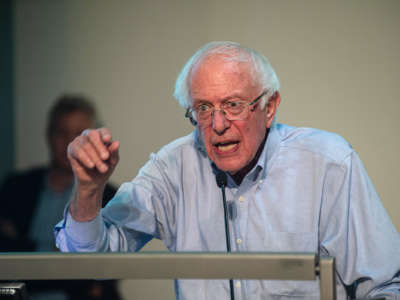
[
  {"x": 165, "y": 265},
  {"x": 145, "y": 265}
]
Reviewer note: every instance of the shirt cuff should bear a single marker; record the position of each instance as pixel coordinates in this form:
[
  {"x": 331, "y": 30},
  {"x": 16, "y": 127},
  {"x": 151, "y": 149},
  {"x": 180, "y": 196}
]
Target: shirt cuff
[{"x": 84, "y": 232}]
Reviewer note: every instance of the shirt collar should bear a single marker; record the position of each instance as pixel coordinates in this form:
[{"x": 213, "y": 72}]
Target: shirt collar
[
  {"x": 198, "y": 142},
  {"x": 265, "y": 159},
  {"x": 270, "y": 148},
  {"x": 264, "y": 162}
]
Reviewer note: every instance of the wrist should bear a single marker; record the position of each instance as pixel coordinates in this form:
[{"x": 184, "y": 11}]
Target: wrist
[{"x": 86, "y": 202}]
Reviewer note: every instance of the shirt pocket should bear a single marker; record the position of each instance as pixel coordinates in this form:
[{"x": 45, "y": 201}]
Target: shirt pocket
[{"x": 277, "y": 241}]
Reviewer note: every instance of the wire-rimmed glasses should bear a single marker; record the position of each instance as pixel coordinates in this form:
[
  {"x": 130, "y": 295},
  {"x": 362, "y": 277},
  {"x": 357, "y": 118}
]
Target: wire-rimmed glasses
[{"x": 233, "y": 110}]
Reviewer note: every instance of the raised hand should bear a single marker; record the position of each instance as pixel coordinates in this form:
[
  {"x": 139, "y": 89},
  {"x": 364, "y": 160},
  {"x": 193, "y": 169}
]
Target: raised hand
[{"x": 93, "y": 156}]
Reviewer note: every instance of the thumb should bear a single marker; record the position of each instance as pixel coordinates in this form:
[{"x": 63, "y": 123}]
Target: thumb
[{"x": 113, "y": 148}]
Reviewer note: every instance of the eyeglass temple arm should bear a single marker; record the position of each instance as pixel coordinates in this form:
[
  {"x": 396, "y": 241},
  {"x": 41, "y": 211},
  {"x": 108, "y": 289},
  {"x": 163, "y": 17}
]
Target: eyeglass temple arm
[{"x": 189, "y": 115}]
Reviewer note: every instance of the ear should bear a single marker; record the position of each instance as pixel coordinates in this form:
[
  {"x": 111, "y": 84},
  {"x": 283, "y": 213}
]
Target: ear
[{"x": 272, "y": 107}]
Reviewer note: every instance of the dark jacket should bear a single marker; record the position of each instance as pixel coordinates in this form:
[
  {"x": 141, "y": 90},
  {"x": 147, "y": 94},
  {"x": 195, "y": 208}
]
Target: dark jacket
[{"x": 19, "y": 199}]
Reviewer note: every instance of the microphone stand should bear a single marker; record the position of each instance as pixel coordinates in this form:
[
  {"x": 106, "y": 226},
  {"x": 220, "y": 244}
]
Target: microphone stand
[{"x": 221, "y": 182}]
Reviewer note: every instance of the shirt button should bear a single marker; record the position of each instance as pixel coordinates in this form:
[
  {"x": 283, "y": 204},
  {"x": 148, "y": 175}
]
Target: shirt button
[
  {"x": 238, "y": 284},
  {"x": 239, "y": 241},
  {"x": 241, "y": 199}
]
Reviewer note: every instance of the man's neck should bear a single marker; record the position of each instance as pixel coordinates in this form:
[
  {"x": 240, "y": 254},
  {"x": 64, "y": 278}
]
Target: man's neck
[{"x": 238, "y": 176}]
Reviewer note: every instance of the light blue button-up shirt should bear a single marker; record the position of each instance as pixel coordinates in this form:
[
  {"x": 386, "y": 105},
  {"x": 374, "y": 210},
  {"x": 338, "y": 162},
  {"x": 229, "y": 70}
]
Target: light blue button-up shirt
[{"x": 309, "y": 192}]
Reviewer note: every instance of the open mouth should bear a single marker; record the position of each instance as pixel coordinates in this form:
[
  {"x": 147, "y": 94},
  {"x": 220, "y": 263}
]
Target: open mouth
[{"x": 226, "y": 146}]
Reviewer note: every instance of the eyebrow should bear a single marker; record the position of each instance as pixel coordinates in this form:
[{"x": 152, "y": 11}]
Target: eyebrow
[{"x": 199, "y": 100}]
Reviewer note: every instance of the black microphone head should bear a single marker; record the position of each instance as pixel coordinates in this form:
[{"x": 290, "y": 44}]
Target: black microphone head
[{"x": 221, "y": 178}]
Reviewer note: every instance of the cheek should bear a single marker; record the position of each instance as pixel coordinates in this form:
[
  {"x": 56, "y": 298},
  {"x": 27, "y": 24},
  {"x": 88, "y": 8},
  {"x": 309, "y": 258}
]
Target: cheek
[
  {"x": 254, "y": 135},
  {"x": 250, "y": 135},
  {"x": 206, "y": 138}
]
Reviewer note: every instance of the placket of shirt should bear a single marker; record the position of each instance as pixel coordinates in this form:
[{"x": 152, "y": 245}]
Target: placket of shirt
[{"x": 238, "y": 199}]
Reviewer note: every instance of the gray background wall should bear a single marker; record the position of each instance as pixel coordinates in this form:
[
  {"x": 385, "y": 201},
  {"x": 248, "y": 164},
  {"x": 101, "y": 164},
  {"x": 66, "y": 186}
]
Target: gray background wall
[{"x": 338, "y": 63}]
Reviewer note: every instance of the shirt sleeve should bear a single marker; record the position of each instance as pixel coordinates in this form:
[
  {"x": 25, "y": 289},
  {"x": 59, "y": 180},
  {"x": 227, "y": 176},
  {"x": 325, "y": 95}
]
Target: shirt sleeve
[
  {"x": 357, "y": 231},
  {"x": 74, "y": 236},
  {"x": 141, "y": 210}
]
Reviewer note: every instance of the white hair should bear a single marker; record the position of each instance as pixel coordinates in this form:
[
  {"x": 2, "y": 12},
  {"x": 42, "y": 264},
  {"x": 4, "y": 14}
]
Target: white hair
[{"x": 261, "y": 71}]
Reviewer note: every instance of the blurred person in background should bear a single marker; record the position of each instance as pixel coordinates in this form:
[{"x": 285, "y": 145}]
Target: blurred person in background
[{"x": 33, "y": 201}]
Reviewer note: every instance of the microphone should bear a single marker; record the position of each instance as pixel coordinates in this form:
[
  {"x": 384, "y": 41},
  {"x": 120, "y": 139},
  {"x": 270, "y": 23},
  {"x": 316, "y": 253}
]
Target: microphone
[{"x": 222, "y": 180}]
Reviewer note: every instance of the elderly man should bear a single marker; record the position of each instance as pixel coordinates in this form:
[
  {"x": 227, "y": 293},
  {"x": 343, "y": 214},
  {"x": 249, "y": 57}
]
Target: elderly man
[{"x": 288, "y": 189}]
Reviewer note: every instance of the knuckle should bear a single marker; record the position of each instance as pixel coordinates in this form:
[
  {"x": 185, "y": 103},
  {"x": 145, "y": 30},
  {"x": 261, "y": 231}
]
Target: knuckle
[
  {"x": 80, "y": 140},
  {"x": 105, "y": 132},
  {"x": 70, "y": 150},
  {"x": 70, "y": 147},
  {"x": 86, "y": 132},
  {"x": 93, "y": 134},
  {"x": 73, "y": 147},
  {"x": 80, "y": 154},
  {"x": 86, "y": 146}
]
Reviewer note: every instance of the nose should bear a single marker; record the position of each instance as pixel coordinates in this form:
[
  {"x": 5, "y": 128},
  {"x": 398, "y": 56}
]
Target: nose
[{"x": 219, "y": 121}]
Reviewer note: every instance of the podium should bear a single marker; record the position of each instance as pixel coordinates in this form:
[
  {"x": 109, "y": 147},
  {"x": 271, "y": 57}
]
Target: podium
[{"x": 163, "y": 265}]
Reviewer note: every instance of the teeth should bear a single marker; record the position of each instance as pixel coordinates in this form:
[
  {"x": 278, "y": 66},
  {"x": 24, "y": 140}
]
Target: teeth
[{"x": 226, "y": 147}]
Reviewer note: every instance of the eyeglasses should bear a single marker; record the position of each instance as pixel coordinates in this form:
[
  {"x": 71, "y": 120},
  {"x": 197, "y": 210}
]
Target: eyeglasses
[{"x": 232, "y": 110}]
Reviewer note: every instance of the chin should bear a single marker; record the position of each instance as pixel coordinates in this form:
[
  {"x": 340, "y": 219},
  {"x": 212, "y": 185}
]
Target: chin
[{"x": 230, "y": 167}]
